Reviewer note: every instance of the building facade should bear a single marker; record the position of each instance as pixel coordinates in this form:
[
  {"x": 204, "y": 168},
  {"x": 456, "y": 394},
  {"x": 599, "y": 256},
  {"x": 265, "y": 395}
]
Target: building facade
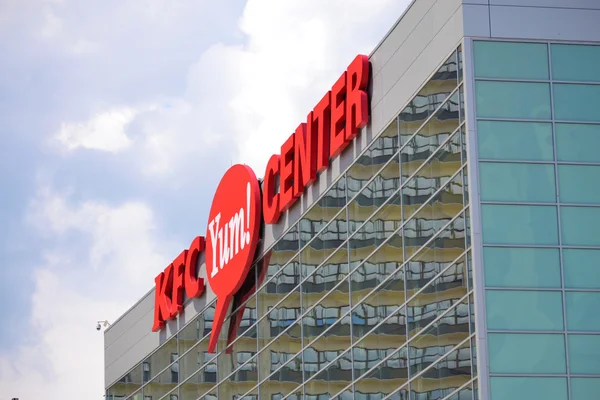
[{"x": 448, "y": 253}]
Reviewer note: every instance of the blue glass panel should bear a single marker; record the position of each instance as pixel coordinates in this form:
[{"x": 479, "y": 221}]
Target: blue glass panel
[
  {"x": 526, "y": 353},
  {"x": 575, "y": 63},
  {"x": 528, "y": 388},
  {"x": 521, "y": 267},
  {"x": 582, "y": 268},
  {"x": 503, "y": 140},
  {"x": 513, "y": 100},
  {"x": 578, "y": 142},
  {"x": 577, "y": 102},
  {"x": 517, "y": 182},
  {"x": 511, "y": 60},
  {"x": 503, "y": 224},
  {"x": 583, "y": 311},
  {"x": 524, "y": 310},
  {"x": 580, "y": 226},
  {"x": 584, "y": 354},
  {"x": 585, "y": 388},
  {"x": 579, "y": 183}
]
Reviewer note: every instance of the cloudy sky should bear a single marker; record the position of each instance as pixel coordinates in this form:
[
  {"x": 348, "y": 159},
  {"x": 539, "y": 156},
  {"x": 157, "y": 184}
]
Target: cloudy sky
[{"x": 117, "y": 120}]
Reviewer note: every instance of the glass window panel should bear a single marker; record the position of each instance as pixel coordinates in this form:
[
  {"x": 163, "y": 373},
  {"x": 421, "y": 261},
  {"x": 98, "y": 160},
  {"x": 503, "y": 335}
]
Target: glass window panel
[
  {"x": 579, "y": 183},
  {"x": 442, "y": 294},
  {"x": 578, "y": 142},
  {"x": 510, "y": 60},
  {"x": 428, "y": 208},
  {"x": 576, "y": 102},
  {"x": 521, "y": 267},
  {"x": 584, "y": 354},
  {"x": 524, "y": 310},
  {"x": 191, "y": 334},
  {"x": 373, "y": 196},
  {"x": 582, "y": 311},
  {"x": 507, "y": 224},
  {"x": 194, "y": 359},
  {"x": 370, "y": 163},
  {"x": 323, "y": 211},
  {"x": 429, "y": 98},
  {"x": 379, "y": 304},
  {"x": 279, "y": 256},
  {"x": 453, "y": 370},
  {"x": 437, "y": 340},
  {"x": 333, "y": 376},
  {"x": 580, "y": 226},
  {"x": 281, "y": 367},
  {"x": 280, "y": 316},
  {"x": 316, "y": 261},
  {"x": 513, "y": 100},
  {"x": 445, "y": 161},
  {"x": 584, "y": 388},
  {"x": 513, "y": 353},
  {"x": 327, "y": 312},
  {"x": 503, "y": 140},
  {"x": 582, "y": 268},
  {"x": 575, "y": 62},
  {"x": 514, "y": 388},
  {"x": 437, "y": 130},
  {"x": 374, "y": 232},
  {"x": 202, "y": 380},
  {"x": 517, "y": 182},
  {"x": 388, "y": 375}
]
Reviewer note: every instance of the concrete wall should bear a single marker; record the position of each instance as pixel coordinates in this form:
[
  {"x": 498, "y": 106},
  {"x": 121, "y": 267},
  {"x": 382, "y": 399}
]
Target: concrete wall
[{"x": 413, "y": 49}]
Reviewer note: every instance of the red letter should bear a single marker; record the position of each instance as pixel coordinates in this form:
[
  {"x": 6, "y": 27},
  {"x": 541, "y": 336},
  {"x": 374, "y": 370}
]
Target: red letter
[
  {"x": 270, "y": 197},
  {"x": 286, "y": 175},
  {"x": 305, "y": 152},
  {"x": 322, "y": 125},
  {"x": 162, "y": 302},
  {"x": 357, "y": 107},
  {"x": 177, "y": 292},
  {"x": 337, "y": 143},
  {"x": 194, "y": 286}
]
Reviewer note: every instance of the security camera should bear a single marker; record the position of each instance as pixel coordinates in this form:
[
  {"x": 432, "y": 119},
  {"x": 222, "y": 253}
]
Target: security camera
[
  {"x": 104, "y": 323},
  {"x": 98, "y": 327}
]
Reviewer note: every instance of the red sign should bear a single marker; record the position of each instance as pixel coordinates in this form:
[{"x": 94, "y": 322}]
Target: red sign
[
  {"x": 328, "y": 129},
  {"x": 232, "y": 238},
  {"x": 234, "y": 222}
]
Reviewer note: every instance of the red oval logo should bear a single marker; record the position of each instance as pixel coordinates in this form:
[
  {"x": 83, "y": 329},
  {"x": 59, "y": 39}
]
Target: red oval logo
[{"x": 231, "y": 238}]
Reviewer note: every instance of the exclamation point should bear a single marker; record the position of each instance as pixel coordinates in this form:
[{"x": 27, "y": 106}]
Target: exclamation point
[{"x": 248, "y": 213}]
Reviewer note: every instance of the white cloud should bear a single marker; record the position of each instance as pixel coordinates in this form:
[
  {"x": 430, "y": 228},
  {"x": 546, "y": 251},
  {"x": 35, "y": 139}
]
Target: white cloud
[
  {"x": 62, "y": 356},
  {"x": 104, "y": 131}
]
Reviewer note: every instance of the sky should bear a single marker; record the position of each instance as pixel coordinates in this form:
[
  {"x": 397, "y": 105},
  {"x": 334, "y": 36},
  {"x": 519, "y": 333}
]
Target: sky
[{"x": 118, "y": 118}]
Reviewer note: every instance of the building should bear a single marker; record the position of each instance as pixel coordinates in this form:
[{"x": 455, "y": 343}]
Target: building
[{"x": 449, "y": 252}]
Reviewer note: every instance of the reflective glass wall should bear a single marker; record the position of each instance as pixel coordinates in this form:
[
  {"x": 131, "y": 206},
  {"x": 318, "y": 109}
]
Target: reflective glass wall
[
  {"x": 367, "y": 296},
  {"x": 538, "y": 127}
]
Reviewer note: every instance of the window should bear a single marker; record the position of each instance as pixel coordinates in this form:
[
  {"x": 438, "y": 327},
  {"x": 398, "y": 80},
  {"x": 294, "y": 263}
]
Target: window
[
  {"x": 521, "y": 267},
  {"x": 517, "y": 182},
  {"x": 174, "y": 369},
  {"x": 524, "y": 310},
  {"x": 580, "y": 226},
  {"x": 577, "y": 102},
  {"x": 504, "y": 224},
  {"x": 503, "y": 140},
  {"x": 513, "y": 100},
  {"x": 528, "y": 388},
  {"x": 575, "y": 63},
  {"x": 511, "y": 60},
  {"x": 582, "y": 311},
  {"x": 579, "y": 183},
  {"x": 578, "y": 142},
  {"x": 584, "y": 354},
  {"x": 527, "y": 353},
  {"x": 582, "y": 268},
  {"x": 584, "y": 388}
]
